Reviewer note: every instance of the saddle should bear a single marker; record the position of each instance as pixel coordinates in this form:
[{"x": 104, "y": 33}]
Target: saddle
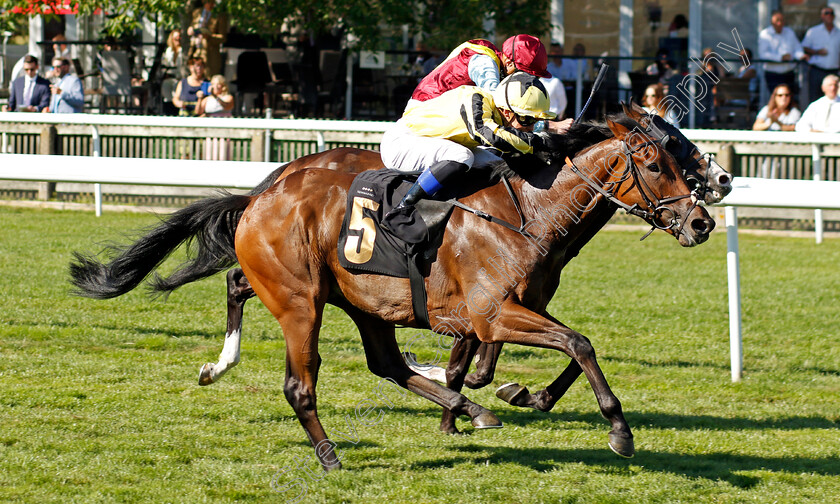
[{"x": 407, "y": 246}]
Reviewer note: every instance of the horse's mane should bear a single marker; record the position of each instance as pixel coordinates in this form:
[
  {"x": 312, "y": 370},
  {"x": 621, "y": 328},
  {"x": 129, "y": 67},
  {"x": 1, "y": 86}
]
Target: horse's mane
[{"x": 560, "y": 145}]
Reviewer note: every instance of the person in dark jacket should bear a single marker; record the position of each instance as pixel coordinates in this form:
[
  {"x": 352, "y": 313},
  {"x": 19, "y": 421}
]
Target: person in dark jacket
[{"x": 30, "y": 92}]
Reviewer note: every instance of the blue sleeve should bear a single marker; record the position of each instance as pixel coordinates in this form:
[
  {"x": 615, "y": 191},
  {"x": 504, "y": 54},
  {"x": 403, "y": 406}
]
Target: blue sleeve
[
  {"x": 12, "y": 98},
  {"x": 484, "y": 72},
  {"x": 75, "y": 95}
]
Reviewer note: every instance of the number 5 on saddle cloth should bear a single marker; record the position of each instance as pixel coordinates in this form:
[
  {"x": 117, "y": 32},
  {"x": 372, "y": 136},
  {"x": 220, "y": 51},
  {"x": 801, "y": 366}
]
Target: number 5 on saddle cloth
[{"x": 407, "y": 248}]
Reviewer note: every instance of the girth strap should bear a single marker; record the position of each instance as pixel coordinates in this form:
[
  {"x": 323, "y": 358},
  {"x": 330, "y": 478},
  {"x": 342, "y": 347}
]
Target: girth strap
[{"x": 418, "y": 292}]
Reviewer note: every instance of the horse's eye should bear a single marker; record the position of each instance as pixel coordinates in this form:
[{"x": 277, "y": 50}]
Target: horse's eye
[{"x": 653, "y": 167}]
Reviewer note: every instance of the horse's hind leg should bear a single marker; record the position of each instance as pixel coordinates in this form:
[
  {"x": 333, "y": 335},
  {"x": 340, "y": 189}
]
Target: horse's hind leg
[
  {"x": 238, "y": 291},
  {"x": 462, "y": 353},
  {"x": 485, "y": 366},
  {"x": 384, "y": 360}
]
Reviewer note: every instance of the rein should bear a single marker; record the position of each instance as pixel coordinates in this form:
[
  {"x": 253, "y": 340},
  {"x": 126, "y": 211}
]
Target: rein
[
  {"x": 496, "y": 220},
  {"x": 656, "y": 207}
]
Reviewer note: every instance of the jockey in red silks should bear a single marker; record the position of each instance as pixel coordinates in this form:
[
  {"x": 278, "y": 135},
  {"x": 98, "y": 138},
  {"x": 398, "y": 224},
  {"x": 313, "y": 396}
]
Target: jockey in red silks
[{"x": 480, "y": 63}]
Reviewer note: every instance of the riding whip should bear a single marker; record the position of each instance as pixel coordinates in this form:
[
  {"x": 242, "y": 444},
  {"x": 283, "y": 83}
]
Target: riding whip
[{"x": 602, "y": 74}]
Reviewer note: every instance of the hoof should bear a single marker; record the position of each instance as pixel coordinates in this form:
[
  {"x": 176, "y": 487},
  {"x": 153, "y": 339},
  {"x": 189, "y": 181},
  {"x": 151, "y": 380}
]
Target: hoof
[
  {"x": 512, "y": 393},
  {"x": 487, "y": 420},
  {"x": 622, "y": 445},
  {"x": 204, "y": 377}
]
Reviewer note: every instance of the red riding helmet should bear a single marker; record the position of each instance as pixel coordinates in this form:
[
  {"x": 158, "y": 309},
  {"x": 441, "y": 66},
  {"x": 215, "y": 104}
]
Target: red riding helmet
[{"x": 527, "y": 53}]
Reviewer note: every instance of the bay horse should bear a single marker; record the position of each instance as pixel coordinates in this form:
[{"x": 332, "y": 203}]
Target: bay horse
[
  {"x": 708, "y": 180},
  {"x": 285, "y": 240}
]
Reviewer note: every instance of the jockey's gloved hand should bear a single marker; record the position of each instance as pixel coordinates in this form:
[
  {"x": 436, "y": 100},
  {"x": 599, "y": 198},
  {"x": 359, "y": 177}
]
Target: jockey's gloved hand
[{"x": 539, "y": 142}]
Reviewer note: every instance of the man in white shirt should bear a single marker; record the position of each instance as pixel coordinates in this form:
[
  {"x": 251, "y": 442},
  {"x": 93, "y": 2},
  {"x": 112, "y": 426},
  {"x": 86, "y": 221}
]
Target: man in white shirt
[
  {"x": 823, "y": 115},
  {"x": 822, "y": 44},
  {"x": 778, "y": 43}
]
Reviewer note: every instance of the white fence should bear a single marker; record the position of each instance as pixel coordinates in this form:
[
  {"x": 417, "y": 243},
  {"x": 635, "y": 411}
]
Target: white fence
[
  {"x": 763, "y": 193},
  {"x": 747, "y": 192}
]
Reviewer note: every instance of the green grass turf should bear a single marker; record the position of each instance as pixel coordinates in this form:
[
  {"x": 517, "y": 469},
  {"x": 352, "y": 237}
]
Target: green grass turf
[{"x": 99, "y": 400}]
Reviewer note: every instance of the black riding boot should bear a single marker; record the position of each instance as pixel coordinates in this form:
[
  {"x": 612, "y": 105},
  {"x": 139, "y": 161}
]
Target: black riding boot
[{"x": 415, "y": 193}]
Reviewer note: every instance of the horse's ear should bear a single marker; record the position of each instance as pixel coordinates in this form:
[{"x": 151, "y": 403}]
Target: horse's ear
[
  {"x": 637, "y": 108},
  {"x": 618, "y": 130}
]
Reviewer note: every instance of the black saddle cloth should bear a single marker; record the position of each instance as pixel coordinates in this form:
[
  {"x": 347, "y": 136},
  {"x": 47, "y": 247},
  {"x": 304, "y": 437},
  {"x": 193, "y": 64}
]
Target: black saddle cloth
[{"x": 365, "y": 246}]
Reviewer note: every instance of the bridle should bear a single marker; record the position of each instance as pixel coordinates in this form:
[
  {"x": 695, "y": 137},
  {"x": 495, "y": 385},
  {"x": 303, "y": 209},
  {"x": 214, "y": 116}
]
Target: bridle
[
  {"x": 698, "y": 185},
  {"x": 656, "y": 210}
]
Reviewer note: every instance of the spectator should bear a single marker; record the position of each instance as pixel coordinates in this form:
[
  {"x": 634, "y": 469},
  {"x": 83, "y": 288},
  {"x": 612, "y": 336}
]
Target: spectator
[
  {"x": 570, "y": 66},
  {"x": 207, "y": 34},
  {"x": 68, "y": 93},
  {"x": 30, "y": 92},
  {"x": 59, "y": 51},
  {"x": 59, "y": 47},
  {"x": 652, "y": 103},
  {"x": 823, "y": 115},
  {"x": 555, "y": 63},
  {"x": 778, "y": 43},
  {"x": 712, "y": 65},
  {"x": 678, "y": 27},
  {"x": 218, "y": 102},
  {"x": 822, "y": 44},
  {"x": 746, "y": 71},
  {"x": 663, "y": 67},
  {"x": 555, "y": 88},
  {"x": 172, "y": 59},
  {"x": 190, "y": 90},
  {"x": 780, "y": 113}
]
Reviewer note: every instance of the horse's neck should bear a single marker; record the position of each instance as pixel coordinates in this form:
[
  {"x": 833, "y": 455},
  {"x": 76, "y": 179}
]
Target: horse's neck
[{"x": 569, "y": 205}]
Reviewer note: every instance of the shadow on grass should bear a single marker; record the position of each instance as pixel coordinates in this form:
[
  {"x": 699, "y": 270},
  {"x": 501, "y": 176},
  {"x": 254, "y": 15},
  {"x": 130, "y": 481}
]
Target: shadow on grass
[
  {"x": 669, "y": 421},
  {"x": 713, "y": 466}
]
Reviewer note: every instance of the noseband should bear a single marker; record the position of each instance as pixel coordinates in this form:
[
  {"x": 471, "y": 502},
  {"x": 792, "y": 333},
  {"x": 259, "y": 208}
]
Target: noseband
[{"x": 656, "y": 207}]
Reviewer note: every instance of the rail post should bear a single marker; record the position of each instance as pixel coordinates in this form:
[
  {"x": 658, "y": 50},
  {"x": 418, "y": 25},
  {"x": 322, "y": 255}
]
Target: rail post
[
  {"x": 97, "y": 152},
  {"x": 49, "y": 135},
  {"x": 258, "y": 146},
  {"x": 816, "y": 161},
  {"x": 736, "y": 348}
]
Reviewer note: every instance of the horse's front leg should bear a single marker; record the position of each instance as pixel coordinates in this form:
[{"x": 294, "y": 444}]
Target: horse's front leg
[
  {"x": 545, "y": 399},
  {"x": 517, "y": 324},
  {"x": 238, "y": 291}
]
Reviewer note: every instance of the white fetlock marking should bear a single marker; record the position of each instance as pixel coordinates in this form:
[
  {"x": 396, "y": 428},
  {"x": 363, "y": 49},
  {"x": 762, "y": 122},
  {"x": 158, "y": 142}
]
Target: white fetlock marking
[
  {"x": 434, "y": 373},
  {"x": 229, "y": 356}
]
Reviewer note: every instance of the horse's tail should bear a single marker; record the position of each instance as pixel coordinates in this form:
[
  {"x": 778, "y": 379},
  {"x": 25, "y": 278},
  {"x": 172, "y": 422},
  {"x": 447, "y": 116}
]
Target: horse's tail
[{"x": 207, "y": 226}]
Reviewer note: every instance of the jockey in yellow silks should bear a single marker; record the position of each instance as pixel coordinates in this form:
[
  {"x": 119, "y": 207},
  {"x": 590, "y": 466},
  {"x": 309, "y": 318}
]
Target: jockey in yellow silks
[{"x": 443, "y": 136}]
